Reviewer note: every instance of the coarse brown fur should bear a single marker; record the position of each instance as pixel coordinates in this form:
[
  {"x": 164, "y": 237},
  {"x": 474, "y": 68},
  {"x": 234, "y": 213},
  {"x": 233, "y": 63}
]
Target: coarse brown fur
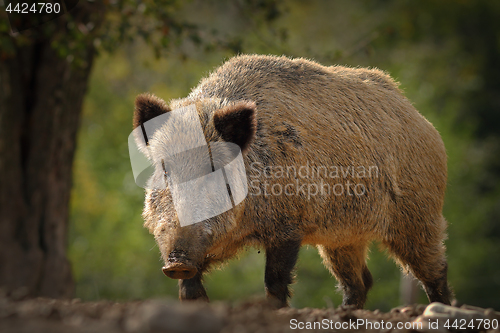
[{"x": 310, "y": 115}]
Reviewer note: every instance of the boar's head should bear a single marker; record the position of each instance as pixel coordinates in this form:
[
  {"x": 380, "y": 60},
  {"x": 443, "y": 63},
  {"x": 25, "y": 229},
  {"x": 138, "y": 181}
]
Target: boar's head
[{"x": 189, "y": 206}]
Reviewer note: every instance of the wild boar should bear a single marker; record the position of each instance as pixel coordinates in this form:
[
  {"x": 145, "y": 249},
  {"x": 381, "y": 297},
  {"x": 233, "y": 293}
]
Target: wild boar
[{"x": 335, "y": 157}]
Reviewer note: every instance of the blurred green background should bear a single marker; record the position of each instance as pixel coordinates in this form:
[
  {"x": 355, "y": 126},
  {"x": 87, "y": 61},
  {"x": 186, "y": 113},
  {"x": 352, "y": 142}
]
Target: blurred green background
[{"x": 446, "y": 56}]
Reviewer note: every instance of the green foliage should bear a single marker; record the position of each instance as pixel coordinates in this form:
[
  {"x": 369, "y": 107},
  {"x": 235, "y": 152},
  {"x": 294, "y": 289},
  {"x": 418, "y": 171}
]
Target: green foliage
[
  {"x": 417, "y": 43},
  {"x": 110, "y": 250}
]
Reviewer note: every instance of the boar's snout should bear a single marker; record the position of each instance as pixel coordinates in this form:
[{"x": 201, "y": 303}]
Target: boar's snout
[
  {"x": 179, "y": 271},
  {"x": 178, "y": 266}
]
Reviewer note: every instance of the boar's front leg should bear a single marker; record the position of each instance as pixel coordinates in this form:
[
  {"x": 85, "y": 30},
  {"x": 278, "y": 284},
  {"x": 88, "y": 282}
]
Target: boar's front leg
[
  {"x": 280, "y": 261},
  {"x": 192, "y": 289}
]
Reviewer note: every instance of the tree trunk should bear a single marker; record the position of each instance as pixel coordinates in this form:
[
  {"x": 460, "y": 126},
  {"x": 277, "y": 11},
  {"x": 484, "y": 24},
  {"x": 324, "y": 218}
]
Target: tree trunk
[{"x": 41, "y": 97}]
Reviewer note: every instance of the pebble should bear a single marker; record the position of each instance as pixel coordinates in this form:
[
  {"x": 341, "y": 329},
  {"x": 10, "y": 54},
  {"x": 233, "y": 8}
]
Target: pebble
[{"x": 440, "y": 313}]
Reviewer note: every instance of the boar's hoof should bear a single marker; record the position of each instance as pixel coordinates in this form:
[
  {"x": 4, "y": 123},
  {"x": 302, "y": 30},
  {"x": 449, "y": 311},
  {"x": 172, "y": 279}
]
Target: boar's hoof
[{"x": 179, "y": 271}]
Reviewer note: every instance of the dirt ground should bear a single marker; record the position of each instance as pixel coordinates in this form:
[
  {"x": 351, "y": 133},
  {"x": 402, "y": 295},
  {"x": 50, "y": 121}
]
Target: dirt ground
[{"x": 41, "y": 315}]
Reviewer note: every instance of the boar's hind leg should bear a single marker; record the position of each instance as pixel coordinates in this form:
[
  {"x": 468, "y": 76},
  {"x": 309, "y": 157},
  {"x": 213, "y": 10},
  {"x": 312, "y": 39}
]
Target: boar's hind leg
[
  {"x": 348, "y": 265},
  {"x": 425, "y": 258},
  {"x": 280, "y": 261},
  {"x": 192, "y": 289}
]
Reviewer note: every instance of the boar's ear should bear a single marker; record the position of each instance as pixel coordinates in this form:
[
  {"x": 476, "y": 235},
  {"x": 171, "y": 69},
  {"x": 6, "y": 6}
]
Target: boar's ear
[
  {"x": 237, "y": 123},
  {"x": 147, "y": 107}
]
